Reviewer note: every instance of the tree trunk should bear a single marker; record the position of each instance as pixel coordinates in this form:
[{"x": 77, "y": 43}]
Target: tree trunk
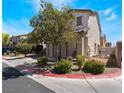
[
  {"x": 57, "y": 52},
  {"x": 25, "y": 55}
]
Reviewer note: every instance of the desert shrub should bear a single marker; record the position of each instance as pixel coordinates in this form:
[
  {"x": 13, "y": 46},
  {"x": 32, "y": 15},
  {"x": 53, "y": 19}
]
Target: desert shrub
[
  {"x": 80, "y": 61},
  {"x": 63, "y": 66},
  {"x": 42, "y": 60},
  {"x": 23, "y": 48},
  {"x": 88, "y": 66},
  {"x": 94, "y": 67},
  {"x": 98, "y": 68}
]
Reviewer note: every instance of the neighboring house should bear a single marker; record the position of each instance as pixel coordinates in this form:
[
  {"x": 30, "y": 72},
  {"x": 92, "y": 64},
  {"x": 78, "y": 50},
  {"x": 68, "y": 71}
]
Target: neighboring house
[
  {"x": 88, "y": 27},
  {"x": 19, "y": 38},
  {"x": 103, "y": 41},
  {"x": 105, "y": 48},
  {"x": 40, "y": 48},
  {"x": 108, "y": 44},
  {"x": 106, "y": 51}
]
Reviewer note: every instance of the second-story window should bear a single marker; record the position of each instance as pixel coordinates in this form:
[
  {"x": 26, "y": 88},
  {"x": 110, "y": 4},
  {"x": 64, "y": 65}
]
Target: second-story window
[{"x": 79, "y": 20}]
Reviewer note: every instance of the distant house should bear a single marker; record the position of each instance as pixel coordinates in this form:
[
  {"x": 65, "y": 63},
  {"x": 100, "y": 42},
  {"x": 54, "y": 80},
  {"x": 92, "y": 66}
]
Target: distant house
[
  {"x": 105, "y": 48},
  {"x": 88, "y": 27},
  {"x": 19, "y": 38},
  {"x": 102, "y": 41},
  {"x": 108, "y": 44},
  {"x": 40, "y": 47}
]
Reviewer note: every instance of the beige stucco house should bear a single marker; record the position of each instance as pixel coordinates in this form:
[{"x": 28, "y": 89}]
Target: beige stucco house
[
  {"x": 16, "y": 39},
  {"x": 87, "y": 25}
]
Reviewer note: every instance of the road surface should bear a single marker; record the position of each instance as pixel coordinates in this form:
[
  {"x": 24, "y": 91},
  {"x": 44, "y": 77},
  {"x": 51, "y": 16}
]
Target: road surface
[{"x": 15, "y": 82}]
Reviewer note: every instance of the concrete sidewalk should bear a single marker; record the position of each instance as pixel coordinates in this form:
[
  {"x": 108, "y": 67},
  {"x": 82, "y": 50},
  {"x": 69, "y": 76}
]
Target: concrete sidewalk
[{"x": 64, "y": 85}]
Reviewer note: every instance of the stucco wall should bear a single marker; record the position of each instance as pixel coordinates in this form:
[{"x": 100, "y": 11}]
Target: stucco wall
[
  {"x": 93, "y": 35},
  {"x": 118, "y": 53},
  {"x": 106, "y": 51},
  {"x": 63, "y": 50},
  {"x": 71, "y": 47},
  {"x": 85, "y": 17}
]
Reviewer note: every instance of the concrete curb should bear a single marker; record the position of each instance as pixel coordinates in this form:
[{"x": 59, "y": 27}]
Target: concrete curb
[{"x": 85, "y": 76}]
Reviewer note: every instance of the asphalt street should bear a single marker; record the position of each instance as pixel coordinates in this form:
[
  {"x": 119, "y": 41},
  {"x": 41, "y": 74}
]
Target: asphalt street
[{"x": 15, "y": 82}]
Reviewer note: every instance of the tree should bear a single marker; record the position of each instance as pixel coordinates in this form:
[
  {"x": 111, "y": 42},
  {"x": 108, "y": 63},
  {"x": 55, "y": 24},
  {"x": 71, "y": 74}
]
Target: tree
[
  {"x": 5, "y": 39},
  {"x": 53, "y": 25},
  {"x": 36, "y": 36}
]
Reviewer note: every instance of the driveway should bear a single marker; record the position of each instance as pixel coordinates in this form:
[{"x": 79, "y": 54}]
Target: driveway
[
  {"x": 64, "y": 85},
  {"x": 15, "y": 82}
]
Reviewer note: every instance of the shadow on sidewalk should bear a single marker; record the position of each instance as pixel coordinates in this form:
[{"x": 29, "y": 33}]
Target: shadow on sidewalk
[
  {"x": 10, "y": 73},
  {"x": 111, "y": 63}
]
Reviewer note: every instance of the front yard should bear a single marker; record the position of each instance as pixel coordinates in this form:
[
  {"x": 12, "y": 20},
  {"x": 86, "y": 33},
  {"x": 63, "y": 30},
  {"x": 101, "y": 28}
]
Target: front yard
[{"x": 74, "y": 67}]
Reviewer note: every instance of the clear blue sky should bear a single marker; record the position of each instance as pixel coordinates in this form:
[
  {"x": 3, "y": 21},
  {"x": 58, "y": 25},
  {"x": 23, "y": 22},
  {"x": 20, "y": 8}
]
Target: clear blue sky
[{"x": 17, "y": 13}]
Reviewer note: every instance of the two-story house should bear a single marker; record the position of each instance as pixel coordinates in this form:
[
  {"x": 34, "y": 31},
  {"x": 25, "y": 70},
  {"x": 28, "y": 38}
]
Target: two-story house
[{"x": 87, "y": 25}]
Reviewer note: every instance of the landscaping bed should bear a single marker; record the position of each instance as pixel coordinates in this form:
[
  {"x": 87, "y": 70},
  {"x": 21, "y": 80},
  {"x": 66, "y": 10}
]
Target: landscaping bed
[
  {"x": 49, "y": 67},
  {"x": 107, "y": 70},
  {"x": 68, "y": 68}
]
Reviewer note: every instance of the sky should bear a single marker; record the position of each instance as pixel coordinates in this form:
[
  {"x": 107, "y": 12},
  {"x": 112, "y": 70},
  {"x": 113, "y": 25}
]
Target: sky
[{"x": 17, "y": 13}]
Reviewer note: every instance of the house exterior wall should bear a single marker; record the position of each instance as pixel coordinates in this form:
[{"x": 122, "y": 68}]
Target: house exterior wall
[
  {"x": 102, "y": 41},
  {"x": 63, "y": 50},
  {"x": 16, "y": 39},
  {"x": 118, "y": 53},
  {"x": 93, "y": 35},
  {"x": 80, "y": 46},
  {"x": 70, "y": 49},
  {"x": 106, "y": 51},
  {"x": 82, "y": 42},
  {"x": 85, "y": 17},
  {"x": 85, "y": 44}
]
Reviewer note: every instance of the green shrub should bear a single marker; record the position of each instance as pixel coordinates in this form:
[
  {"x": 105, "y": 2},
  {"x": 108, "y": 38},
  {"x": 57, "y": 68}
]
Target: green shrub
[
  {"x": 63, "y": 66},
  {"x": 94, "y": 67},
  {"x": 80, "y": 61},
  {"x": 42, "y": 60},
  {"x": 23, "y": 48},
  {"x": 98, "y": 68},
  {"x": 88, "y": 66}
]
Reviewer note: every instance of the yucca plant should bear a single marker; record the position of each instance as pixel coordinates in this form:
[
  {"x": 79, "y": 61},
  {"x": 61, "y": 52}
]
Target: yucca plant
[{"x": 80, "y": 61}]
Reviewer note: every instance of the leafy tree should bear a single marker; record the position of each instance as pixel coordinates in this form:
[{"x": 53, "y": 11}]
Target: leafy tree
[
  {"x": 5, "y": 39},
  {"x": 53, "y": 26},
  {"x": 80, "y": 61},
  {"x": 36, "y": 36}
]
